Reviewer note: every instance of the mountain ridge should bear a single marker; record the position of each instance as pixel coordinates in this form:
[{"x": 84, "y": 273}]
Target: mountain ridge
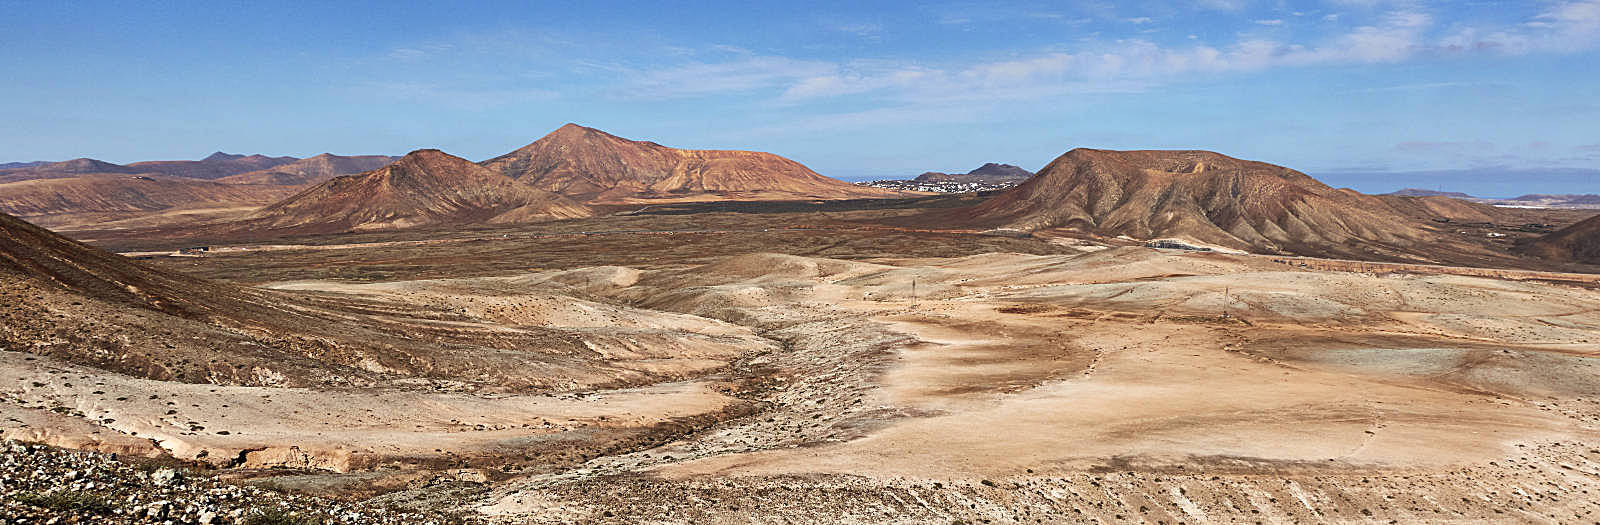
[
  {"x": 992, "y": 173},
  {"x": 425, "y": 187},
  {"x": 593, "y": 166},
  {"x": 1210, "y": 198}
]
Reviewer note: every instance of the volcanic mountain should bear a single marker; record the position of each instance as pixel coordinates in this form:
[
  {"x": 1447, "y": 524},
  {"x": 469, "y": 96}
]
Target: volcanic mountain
[
  {"x": 312, "y": 170},
  {"x": 215, "y": 166},
  {"x": 93, "y": 193},
  {"x": 990, "y": 173},
  {"x": 1209, "y": 198},
  {"x": 1577, "y": 243},
  {"x": 1414, "y": 192},
  {"x": 66, "y": 168},
  {"x": 594, "y": 166},
  {"x": 425, "y": 187}
]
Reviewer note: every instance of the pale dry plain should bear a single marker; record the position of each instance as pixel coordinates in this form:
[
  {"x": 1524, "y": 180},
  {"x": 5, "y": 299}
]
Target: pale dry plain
[{"x": 1125, "y": 384}]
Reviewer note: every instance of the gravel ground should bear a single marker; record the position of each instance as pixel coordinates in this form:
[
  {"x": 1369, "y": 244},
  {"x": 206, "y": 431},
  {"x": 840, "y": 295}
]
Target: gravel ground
[{"x": 46, "y": 485}]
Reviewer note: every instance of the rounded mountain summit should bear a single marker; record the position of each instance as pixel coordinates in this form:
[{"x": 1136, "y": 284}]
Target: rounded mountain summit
[{"x": 596, "y": 167}]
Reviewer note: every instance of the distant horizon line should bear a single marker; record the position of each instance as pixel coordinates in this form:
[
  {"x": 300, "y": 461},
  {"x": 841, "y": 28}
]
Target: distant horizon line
[{"x": 1328, "y": 176}]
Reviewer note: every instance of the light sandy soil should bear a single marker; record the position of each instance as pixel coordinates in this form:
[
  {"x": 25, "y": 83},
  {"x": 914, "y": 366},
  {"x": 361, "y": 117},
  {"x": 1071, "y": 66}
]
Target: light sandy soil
[
  {"x": 1094, "y": 386},
  {"x": 338, "y": 431},
  {"x": 1127, "y": 384}
]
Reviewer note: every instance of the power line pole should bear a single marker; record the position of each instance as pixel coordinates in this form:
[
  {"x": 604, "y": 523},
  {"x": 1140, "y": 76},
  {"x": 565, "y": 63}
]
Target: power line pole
[{"x": 1226, "y": 298}]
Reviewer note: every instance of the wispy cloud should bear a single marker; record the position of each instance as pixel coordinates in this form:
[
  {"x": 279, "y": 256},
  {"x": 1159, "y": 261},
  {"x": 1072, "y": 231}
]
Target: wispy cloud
[
  {"x": 868, "y": 31},
  {"x": 1444, "y": 147},
  {"x": 1394, "y": 31},
  {"x": 742, "y": 74},
  {"x": 1425, "y": 86},
  {"x": 452, "y": 96},
  {"x": 1222, "y": 5}
]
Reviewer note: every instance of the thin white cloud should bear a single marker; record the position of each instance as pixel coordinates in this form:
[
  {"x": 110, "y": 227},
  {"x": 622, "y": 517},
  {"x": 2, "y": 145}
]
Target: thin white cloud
[
  {"x": 1270, "y": 22},
  {"x": 743, "y": 74},
  {"x": 1565, "y": 27},
  {"x": 453, "y": 96},
  {"x": 1428, "y": 86},
  {"x": 862, "y": 30},
  {"x": 1443, "y": 147},
  {"x": 1130, "y": 64},
  {"x": 1221, "y": 5}
]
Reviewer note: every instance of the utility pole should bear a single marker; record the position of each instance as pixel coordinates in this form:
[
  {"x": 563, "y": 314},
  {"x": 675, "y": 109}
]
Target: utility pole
[{"x": 1225, "y": 300}]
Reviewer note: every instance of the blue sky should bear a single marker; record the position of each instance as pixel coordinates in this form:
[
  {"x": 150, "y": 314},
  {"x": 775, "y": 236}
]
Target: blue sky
[{"x": 852, "y": 89}]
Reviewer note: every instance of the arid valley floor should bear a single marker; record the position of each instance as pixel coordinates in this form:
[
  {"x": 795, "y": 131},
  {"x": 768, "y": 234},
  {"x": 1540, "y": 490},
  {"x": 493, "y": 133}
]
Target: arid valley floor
[{"x": 533, "y": 375}]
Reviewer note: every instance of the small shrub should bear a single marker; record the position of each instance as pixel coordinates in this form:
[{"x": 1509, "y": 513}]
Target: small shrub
[
  {"x": 67, "y": 501},
  {"x": 278, "y": 516}
]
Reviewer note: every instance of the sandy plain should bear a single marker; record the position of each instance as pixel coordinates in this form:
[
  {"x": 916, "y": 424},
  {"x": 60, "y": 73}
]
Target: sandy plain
[{"x": 1119, "y": 384}]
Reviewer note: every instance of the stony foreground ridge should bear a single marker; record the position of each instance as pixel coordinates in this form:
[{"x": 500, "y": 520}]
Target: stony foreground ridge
[{"x": 42, "y": 485}]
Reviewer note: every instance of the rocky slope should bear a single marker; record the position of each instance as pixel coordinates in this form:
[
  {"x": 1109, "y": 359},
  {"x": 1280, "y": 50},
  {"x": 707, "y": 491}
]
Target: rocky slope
[
  {"x": 312, "y": 170},
  {"x": 593, "y": 166},
  {"x": 1577, "y": 243},
  {"x": 50, "y": 485},
  {"x": 426, "y": 187},
  {"x": 1209, "y": 198}
]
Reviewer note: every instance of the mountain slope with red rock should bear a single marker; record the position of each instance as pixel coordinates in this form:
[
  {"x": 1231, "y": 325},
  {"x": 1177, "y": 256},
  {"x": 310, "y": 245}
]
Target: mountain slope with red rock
[
  {"x": 426, "y": 187},
  {"x": 117, "y": 193},
  {"x": 596, "y": 167},
  {"x": 1210, "y": 198}
]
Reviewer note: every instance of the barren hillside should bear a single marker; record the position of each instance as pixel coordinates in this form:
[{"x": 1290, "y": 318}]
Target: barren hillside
[
  {"x": 424, "y": 187},
  {"x": 593, "y": 166}
]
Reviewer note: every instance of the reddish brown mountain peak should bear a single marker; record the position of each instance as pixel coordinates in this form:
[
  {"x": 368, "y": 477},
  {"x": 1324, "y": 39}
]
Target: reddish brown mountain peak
[
  {"x": 1195, "y": 195},
  {"x": 598, "y": 167},
  {"x": 426, "y": 186}
]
